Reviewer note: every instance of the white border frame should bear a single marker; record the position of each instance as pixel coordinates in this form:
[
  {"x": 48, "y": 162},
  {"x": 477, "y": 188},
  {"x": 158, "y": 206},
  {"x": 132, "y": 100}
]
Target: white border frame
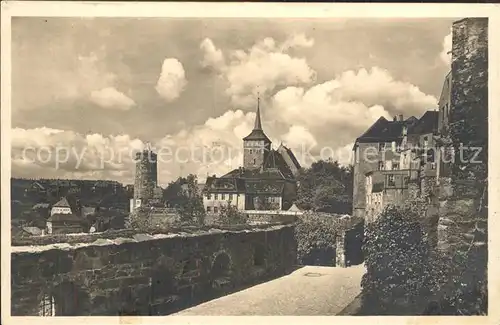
[{"x": 260, "y": 10}]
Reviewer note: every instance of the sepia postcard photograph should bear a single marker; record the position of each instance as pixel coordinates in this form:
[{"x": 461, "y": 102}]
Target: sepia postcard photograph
[{"x": 249, "y": 159}]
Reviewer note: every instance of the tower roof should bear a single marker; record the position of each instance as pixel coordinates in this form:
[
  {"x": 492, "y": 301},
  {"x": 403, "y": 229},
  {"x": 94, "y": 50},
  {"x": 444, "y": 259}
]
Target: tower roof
[
  {"x": 258, "y": 123},
  {"x": 257, "y": 132}
]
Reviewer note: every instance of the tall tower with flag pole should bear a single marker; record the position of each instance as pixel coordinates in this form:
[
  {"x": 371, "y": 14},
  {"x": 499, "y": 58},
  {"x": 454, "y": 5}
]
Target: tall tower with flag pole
[{"x": 256, "y": 145}]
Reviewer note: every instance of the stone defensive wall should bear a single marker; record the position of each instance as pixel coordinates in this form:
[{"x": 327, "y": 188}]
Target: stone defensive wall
[{"x": 145, "y": 274}]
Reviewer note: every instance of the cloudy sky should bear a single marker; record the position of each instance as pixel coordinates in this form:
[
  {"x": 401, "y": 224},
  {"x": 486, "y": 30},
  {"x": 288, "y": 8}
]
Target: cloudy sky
[{"x": 101, "y": 88}]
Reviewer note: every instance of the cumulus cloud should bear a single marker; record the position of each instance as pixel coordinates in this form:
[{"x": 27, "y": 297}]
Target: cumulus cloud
[
  {"x": 328, "y": 116},
  {"x": 377, "y": 87},
  {"x": 111, "y": 98},
  {"x": 264, "y": 67},
  {"x": 296, "y": 41},
  {"x": 319, "y": 122},
  {"x": 214, "y": 147},
  {"x": 298, "y": 136},
  {"x": 172, "y": 80},
  {"x": 44, "y": 152},
  {"x": 445, "y": 54},
  {"x": 212, "y": 56}
]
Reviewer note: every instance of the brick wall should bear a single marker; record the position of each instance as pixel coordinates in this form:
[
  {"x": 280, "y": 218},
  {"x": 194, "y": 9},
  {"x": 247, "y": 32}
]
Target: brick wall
[{"x": 146, "y": 275}]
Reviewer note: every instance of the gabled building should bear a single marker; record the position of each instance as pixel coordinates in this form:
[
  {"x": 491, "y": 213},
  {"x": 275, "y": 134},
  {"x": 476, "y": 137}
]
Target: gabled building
[
  {"x": 66, "y": 205},
  {"x": 69, "y": 215},
  {"x": 266, "y": 181},
  {"x": 66, "y": 217},
  {"x": 391, "y": 156}
]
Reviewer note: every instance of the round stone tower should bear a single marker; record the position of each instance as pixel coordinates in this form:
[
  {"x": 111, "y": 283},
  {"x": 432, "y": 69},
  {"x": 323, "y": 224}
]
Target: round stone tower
[{"x": 146, "y": 176}]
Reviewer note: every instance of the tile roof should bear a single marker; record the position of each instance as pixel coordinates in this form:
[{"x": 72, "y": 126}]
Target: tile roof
[
  {"x": 227, "y": 184},
  {"x": 62, "y": 203},
  {"x": 294, "y": 208},
  {"x": 257, "y": 135},
  {"x": 276, "y": 161},
  {"x": 428, "y": 123},
  {"x": 41, "y": 206},
  {"x": 386, "y": 130},
  {"x": 284, "y": 151},
  {"x": 257, "y": 132},
  {"x": 62, "y": 217},
  {"x": 33, "y": 230},
  {"x": 243, "y": 173},
  {"x": 260, "y": 186}
]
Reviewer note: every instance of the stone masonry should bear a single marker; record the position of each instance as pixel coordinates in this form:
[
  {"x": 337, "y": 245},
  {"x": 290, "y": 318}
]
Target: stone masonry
[
  {"x": 462, "y": 197},
  {"x": 146, "y": 274},
  {"x": 146, "y": 175}
]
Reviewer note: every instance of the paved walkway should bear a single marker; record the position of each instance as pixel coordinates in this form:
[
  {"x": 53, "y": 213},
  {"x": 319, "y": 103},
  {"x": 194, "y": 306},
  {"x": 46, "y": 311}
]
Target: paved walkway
[{"x": 311, "y": 290}]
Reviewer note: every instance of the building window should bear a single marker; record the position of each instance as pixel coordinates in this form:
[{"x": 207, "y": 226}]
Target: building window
[
  {"x": 380, "y": 165},
  {"x": 216, "y": 196},
  {"x": 406, "y": 179},
  {"x": 209, "y": 196},
  {"x": 430, "y": 156},
  {"x": 254, "y": 161},
  {"x": 223, "y": 196},
  {"x": 47, "y": 306},
  {"x": 395, "y": 165},
  {"x": 209, "y": 209},
  {"x": 390, "y": 180},
  {"x": 251, "y": 151},
  {"x": 230, "y": 196},
  {"x": 381, "y": 146},
  {"x": 215, "y": 209},
  {"x": 426, "y": 141}
]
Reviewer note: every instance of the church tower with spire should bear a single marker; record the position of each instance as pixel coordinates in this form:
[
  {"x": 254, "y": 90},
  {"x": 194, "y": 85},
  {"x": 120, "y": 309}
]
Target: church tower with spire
[{"x": 256, "y": 145}]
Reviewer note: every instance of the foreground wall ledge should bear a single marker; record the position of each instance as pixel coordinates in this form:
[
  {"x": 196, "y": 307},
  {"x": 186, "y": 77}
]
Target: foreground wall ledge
[{"x": 136, "y": 238}]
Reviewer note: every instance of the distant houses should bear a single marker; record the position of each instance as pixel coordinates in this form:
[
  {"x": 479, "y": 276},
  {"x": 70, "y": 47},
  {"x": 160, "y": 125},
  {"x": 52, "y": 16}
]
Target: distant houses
[
  {"x": 54, "y": 206},
  {"x": 266, "y": 181}
]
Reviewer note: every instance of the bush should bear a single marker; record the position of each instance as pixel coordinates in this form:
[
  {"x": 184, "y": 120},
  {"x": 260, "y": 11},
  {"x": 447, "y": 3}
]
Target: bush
[
  {"x": 229, "y": 215},
  {"x": 192, "y": 212},
  {"x": 399, "y": 278},
  {"x": 405, "y": 276},
  {"x": 315, "y": 238}
]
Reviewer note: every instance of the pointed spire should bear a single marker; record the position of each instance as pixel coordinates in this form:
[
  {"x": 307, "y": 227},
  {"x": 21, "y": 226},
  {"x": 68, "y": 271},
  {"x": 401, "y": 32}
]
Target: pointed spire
[{"x": 258, "y": 123}]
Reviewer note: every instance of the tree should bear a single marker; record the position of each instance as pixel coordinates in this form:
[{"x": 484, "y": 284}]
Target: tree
[
  {"x": 172, "y": 194},
  {"x": 189, "y": 203},
  {"x": 263, "y": 203},
  {"x": 325, "y": 186},
  {"x": 229, "y": 215},
  {"x": 315, "y": 238},
  {"x": 400, "y": 278}
]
